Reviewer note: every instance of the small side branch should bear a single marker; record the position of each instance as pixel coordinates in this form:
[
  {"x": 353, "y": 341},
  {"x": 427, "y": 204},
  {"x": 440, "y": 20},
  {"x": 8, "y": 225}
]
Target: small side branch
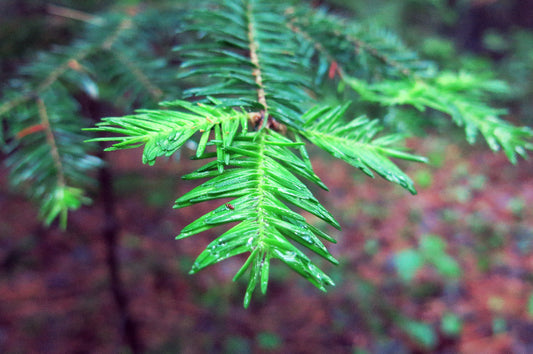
[
  {"x": 64, "y": 67},
  {"x": 358, "y": 45},
  {"x": 376, "y": 54},
  {"x": 154, "y": 91}
]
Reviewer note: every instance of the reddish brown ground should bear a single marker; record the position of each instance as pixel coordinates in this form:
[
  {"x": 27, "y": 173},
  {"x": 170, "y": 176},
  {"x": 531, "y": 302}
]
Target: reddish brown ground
[{"x": 55, "y": 298}]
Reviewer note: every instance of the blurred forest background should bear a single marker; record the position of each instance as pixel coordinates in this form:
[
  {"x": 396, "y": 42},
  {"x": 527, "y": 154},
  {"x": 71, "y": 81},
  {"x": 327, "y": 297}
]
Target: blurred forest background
[{"x": 449, "y": 270}]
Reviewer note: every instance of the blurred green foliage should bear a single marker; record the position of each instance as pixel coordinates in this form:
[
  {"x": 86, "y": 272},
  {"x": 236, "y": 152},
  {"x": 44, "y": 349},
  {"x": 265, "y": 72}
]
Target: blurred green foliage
[
  {"x": 431, "y": 251},
  {"x": 27, "y": 26},
  {"x": 451, "y": 324},
  {"x": 503, "y": 48}
]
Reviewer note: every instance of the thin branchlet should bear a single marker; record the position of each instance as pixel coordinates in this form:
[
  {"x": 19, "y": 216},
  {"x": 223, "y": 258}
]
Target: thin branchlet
[
  {"x": 357, "y": 43},
  {"x": 51, "y": 141}
]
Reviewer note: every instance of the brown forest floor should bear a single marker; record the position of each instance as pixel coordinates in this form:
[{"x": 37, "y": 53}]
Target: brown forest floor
[{"x": 54, "y": 289}]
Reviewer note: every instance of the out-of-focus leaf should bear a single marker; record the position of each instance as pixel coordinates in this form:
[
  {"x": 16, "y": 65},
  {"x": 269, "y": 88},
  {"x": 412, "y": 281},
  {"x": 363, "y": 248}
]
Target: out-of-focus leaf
[
  {"x": 419, "y": 331},
  {"x": 407, "y": 263},
  {"x": 451, "y": 324}
]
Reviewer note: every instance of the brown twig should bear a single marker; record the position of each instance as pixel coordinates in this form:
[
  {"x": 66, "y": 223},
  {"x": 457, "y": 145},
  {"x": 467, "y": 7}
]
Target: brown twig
[
  {"x": 257, "y": 118},
  {"x": 50, "y": 139},
  {"x": 261, "y": 96},
  {"x": 73, "y": 14}
]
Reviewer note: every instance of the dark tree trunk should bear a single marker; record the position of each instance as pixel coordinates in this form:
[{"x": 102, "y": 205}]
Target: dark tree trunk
[
  {"x": 111, "y": 237},
  {"x": 111, "y": 233}
]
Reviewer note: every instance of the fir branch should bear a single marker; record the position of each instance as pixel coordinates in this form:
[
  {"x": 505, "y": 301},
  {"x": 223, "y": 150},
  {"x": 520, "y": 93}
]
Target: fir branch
[
  {"x": 63, "y": 198},
  {"x": 256, "y": 169},
  {"x": 345, "y": 43},
  {"x": 70, "y": 63},
  {"x": 259, "y": 184},
  {"x": 45, "y": 91},
  {"x": 44, "y": 160},
  {"x": 458, "y": 97},
  {"x": 461, "y": 96}
]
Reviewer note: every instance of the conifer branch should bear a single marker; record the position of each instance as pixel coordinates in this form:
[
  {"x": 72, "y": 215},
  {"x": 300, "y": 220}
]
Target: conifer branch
[
  {"x": 356, "y": 143},
  {"x": 71, "y": 63},
  {"x": 252, "y": 60},
  {"x": 155, "y": 92},
  {"x": 261, "y": 185},
  {"x": 351, "y": 41},
  {"x": 262, "y": 78},
  {"x": 44, "y": 162},
  {"x": 47, "y": 154},
  {"x": 458, "y": 95}
]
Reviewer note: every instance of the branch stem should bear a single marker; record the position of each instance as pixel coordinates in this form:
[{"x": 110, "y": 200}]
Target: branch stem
[
  {"x": 73, "y": 14},
  {"x": 261, "y": 95}
]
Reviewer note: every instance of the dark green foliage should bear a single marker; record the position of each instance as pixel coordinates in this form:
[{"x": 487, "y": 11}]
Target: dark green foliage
[
  {"x": 47, "y": 160},
  {"x": 257, "y": 72},
  {"x": 380, "y": 69},
  {"x": 44, "y": 140}
]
